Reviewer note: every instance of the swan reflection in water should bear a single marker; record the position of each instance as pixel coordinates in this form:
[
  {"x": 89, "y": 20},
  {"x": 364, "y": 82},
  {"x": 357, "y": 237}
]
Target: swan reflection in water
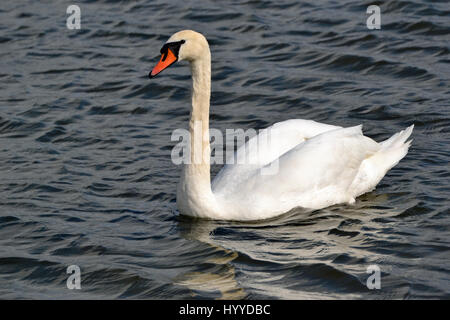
[{"x": 303, "y": 254}]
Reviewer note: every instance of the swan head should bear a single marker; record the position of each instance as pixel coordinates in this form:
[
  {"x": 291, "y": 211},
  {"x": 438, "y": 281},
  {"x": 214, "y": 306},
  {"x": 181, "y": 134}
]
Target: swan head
[{"x": 183, "y": 45}]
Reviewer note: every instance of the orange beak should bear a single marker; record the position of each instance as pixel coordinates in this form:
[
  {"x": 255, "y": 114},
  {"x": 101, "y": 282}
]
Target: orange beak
[{"x": 167, "y": 59}]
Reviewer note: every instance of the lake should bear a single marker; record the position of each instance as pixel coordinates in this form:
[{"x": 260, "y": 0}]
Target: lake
[{"x": 86, "y": 176}]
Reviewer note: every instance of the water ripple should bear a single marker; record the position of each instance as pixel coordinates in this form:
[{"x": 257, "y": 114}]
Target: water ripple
[{"x": 85, "y": 170}]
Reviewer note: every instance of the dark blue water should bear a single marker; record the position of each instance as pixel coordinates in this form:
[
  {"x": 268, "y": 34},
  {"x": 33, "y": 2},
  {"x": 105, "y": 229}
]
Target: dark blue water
[{"x": 86, "y": 176}]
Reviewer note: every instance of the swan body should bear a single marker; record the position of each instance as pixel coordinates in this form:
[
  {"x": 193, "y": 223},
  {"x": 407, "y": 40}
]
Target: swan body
[{"x": 302, "y": 164}]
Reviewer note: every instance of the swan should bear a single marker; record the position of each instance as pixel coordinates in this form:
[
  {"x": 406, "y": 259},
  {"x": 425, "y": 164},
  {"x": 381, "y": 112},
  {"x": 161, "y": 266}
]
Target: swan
[{"x": 316, "y": 165}]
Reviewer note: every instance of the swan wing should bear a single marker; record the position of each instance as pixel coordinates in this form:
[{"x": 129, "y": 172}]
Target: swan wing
[
  {"x": 314, "y": 174},
  {"x": 264, "y": 148}
]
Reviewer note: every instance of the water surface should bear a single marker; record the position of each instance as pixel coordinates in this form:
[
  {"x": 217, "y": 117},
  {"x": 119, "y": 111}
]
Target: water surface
[{"x": 86, "y": 176}]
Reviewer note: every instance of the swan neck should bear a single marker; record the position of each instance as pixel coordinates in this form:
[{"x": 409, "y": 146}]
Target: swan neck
[
  {"x": 194, "y": 193},
  {"x": 199, "y": 122},
  {"x": 201, "y": 89}
]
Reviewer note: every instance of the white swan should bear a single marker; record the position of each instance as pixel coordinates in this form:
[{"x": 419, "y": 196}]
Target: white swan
[{"x": 316, "y": 165}]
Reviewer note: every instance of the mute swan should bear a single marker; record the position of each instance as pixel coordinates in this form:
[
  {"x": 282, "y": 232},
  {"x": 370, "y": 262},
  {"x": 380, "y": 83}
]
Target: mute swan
[{"x": 317, "y": 165}]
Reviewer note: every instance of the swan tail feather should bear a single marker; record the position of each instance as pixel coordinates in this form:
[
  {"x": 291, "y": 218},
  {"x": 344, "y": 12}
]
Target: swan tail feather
[
  {"x": 374, "y": 168},
  {"x": 398, "y": 139},
  {"x": 393, "y": 150}
]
